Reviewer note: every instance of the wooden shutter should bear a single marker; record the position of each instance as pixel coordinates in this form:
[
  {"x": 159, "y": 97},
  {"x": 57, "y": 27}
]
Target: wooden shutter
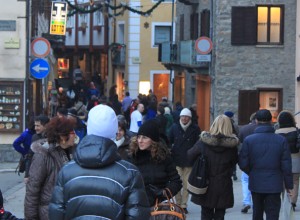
[
  {"x": 243, "y": 26},
  {"x": 205, "y": 23},
  {"x": 181, "y": 28},
  {"x": 159, "y": 53},
  {"x": 248, "y": 104},
  {"x": 194, "y": 26}
]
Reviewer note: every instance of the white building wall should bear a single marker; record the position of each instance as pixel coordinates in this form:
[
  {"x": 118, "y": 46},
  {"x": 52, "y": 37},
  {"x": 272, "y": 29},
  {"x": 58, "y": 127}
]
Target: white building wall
[
  {"x": 133, "y": 50},
  {"x": 13, "y": 61}
]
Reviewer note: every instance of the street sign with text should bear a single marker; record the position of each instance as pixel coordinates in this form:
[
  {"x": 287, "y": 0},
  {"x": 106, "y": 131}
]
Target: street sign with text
[{"x": 58, "y": 22}]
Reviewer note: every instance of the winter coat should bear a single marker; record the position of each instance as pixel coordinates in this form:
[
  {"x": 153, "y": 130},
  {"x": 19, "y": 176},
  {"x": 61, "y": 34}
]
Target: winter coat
[
  {"x": 266, "y": 158},
  {"x": 99, "y": 185},
  {"x": 222, "y": 155},
  {"x": 23, "y": 142},
  {"x": 181, "y": 142},
  {"x": 46, "y": 163},
  {"x": 291, "y": 134},
  {"x": 169, "y": 122},
  {"x": 161, "y": 174},
  {"x": 123, "y": 148}
]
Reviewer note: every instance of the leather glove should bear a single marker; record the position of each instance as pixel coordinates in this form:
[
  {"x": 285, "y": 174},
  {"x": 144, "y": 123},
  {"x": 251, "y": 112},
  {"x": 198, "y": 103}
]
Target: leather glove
[{"x": 156, "y": 191}]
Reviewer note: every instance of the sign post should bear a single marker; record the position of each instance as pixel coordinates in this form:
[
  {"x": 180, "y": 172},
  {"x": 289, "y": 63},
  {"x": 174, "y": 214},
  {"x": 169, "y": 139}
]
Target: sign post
[{"x": 59, "y": 11}]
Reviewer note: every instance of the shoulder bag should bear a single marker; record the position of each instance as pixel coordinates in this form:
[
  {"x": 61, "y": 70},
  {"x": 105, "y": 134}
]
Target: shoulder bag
[
  {"x": 167, "y": 210},
  {"x": 198, "y": 179}
]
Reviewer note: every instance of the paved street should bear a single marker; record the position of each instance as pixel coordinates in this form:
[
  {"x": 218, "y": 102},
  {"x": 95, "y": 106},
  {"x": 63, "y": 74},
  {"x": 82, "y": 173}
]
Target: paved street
[{"x": 14, "y": 202}]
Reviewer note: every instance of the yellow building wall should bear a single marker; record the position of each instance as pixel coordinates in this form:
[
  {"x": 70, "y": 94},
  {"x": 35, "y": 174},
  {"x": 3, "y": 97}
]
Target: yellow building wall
[{"x": 149, "y": 54}]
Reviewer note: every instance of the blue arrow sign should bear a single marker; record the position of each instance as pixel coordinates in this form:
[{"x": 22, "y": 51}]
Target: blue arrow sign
[{"x": 39, "y": 68}]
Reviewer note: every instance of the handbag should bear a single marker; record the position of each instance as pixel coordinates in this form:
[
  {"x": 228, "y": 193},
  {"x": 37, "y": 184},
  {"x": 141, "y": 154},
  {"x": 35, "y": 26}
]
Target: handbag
[
  {"x": 167, "y": 210},
  {"x": 198, "y": 179},
  {"x": 21, "y": 165}
]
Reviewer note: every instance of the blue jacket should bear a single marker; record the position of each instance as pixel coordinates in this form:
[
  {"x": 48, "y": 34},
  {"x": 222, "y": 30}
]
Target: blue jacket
[
  {"x": 23, "y": 142},
  {"x": 266, "y": 158}
]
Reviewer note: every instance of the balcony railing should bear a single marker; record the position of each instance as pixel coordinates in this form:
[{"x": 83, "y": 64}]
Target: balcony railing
[{"x": 182, "y": 53}]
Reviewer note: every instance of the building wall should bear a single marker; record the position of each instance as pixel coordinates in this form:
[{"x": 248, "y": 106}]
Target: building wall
[
  {"x": 12, "y": 62},
  {"x": 235, "y": 68},
  {"x": 297, "y": 72},
  {"x": 141, "y": 56},
  {"x": 249, "y": 67}
]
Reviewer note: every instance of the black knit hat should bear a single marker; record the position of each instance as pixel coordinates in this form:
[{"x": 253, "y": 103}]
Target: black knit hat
[
  {"x": 150, "y": 129},
  {"x": 286, "y": 120},
  {"x": 263, "y": 115}
]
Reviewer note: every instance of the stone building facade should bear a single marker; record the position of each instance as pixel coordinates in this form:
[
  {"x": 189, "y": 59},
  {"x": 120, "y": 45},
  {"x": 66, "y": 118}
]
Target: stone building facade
[{"x": 252, "y": 61}]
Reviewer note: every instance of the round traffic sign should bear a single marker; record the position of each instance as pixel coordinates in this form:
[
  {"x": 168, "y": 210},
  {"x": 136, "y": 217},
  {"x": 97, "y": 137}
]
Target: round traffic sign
[
  {"x": 40, "y": 47},
  {"x": 39, "y": 68},
  {"x": 203, "y": 45}
]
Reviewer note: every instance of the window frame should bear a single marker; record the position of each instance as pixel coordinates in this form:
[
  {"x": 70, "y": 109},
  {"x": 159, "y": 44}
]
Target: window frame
[
  {"x": 159, "y": 24},
  {"x": 244, "y": 25},
  {"x": 281, "y": 32}
]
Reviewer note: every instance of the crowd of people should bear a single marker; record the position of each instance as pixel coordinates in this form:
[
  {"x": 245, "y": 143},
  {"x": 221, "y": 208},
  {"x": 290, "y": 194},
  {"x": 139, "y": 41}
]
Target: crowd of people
[{"x": 102, "y": 154}]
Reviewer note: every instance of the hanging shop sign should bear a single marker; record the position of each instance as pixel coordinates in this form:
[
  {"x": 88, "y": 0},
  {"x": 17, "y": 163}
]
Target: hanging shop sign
[{"x": 59, "y": 11}]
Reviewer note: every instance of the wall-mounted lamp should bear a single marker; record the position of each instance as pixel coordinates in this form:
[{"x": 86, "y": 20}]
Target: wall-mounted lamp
[{"x": 298, "y": 78}]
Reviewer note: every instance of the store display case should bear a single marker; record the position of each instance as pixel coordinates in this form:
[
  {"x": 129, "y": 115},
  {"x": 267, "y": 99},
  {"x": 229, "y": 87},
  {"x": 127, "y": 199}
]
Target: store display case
[{"x": 11, "y": 106}]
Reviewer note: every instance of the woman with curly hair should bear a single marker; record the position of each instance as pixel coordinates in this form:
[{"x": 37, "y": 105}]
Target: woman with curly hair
[
  {"x": 154, "y": 161},
  {"x": 49, "y": 156}
]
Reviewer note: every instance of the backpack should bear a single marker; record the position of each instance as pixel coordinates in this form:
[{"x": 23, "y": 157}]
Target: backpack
[{"x": 198, "y": 178}]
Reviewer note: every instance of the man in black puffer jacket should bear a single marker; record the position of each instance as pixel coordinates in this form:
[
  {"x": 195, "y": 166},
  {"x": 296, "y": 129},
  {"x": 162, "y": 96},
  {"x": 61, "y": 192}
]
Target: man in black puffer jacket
[{"x": 98, "y": 184}]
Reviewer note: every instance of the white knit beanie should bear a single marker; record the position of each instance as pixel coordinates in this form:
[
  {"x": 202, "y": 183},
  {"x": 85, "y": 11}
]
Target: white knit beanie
[
  {"x": 167, "y": 111},
  {"x": 102, "y": 121},
  {"x": 186, "y": 112}
]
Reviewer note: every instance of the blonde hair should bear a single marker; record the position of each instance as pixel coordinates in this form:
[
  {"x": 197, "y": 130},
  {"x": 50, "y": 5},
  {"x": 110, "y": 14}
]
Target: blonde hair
[{"x": 221, "y": 125}]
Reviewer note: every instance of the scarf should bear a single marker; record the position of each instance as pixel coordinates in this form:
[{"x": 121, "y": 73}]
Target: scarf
[
  {"x": 184, "y": 127},
  {"x": 119, "y": 142}
]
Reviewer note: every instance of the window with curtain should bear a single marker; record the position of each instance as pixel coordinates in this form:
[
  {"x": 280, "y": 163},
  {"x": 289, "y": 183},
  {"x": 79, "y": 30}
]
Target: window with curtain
[
  {"x": 269, "y": 24},
  {"x": 258, "y": 25}
]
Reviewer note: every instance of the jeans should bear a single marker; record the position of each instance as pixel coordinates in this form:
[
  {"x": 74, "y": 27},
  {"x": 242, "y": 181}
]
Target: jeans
[
  {"x": 246, "y": 191},
  {"x": 268, "y": 203},
  {"x": 183, "y": 195},
  {"x": 212, "y": 214}
]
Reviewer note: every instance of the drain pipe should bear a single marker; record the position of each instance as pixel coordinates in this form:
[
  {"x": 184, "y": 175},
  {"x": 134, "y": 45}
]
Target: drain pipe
[{"x": 211, "y": 69}]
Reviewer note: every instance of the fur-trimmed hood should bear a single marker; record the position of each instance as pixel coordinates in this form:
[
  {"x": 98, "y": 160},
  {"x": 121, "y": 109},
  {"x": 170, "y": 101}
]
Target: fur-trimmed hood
[
  {"x": 40, "y": 146},
  {"x": 219, "y": 142},
  {"x": 285, "y": 130}
]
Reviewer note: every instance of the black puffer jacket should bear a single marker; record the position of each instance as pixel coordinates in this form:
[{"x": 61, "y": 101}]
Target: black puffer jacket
[
  {"x": 99, "y": 185},
  {"x": 222, "y": 156},
  {"x": 161, "y": 174}
]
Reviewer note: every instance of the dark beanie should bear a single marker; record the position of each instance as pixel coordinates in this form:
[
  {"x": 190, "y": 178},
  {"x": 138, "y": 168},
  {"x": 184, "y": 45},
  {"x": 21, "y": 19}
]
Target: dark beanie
[
  {"x": 263, "y": 115},
  {"x": 150, "y": 129},
  {"x": 229, "y": 114},
  {"x": 286, "y": 120}
]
